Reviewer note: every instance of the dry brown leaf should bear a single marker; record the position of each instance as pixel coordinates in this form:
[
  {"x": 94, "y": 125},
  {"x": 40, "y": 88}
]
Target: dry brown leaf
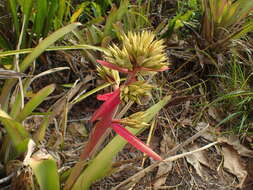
[
  {"x": 201, "y": 59},
  {"x": 235, "y": 143},
  {"x": 162, "y": 173},
  {"x": 233, "y": 164},
  {"x": 201, "y": 155},
  {"x": 163, "y": 170},
  {"x": 198, "y": 158},
  {"x": 186, "y": 122},
  {"x": 209, "y": 134},
  {"x": 186, "y": 110},
  {"x": 77, "y": 129},
  {"x": 214, "y": 114}
]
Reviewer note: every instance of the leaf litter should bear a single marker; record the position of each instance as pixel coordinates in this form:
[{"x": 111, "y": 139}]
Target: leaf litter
[{"x": 164, "y": 169}]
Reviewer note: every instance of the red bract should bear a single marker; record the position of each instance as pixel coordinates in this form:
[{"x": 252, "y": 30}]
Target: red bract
[
  {"x": 105, "y": 97},
  {"x": 123, "y": 70},
  {"x": 104, "y": 114},
  {"x": 108, "y": 106},
  {"x": 113, "y": 66},
  {"x": 96, "y": 134},
  {"x": 133, "y": 140}
]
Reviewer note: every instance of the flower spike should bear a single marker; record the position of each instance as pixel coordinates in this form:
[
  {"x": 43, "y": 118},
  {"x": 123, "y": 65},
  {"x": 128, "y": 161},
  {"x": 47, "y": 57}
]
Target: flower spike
[{"x": 140, "y": 53}]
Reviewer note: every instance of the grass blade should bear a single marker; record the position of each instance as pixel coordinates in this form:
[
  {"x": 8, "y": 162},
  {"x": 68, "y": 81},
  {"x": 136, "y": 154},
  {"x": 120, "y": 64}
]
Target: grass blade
[
  {"x": 27, "y": 10},
  {"x": 54, "y": 48},
  {"x": 61, "y": 13},
  {"x": 40, "y": 134},
  {"x": 78, "y": 12},
  {"x": 115, "y": 15}
]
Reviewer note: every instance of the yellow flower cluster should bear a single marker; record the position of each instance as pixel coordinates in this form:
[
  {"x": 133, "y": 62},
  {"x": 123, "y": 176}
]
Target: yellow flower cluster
[
  {"x": 135, "y": 91},
  {"x": 139, "y": 51},
  {"x": 135, "y": 120}
]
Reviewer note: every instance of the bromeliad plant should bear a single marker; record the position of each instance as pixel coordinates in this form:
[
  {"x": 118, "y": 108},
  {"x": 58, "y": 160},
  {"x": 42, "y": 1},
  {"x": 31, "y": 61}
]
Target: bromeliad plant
[
  {"x": 140, "y": 54},
  {"x": 224, "y": 21}
]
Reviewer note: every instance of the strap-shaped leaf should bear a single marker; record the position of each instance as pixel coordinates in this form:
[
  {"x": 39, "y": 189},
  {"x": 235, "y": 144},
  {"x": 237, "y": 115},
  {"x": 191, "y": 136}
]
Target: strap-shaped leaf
[
  {"x": 16, "y": 131},
  {"x": 38, "y": 98},
  {"x": 46, "y": 43},
  {"x": 14, "y": 14},
  {"x": 41, "y": 15},
  {"x": 8, "y": 85},
  {"x": 45, "y": 170}
]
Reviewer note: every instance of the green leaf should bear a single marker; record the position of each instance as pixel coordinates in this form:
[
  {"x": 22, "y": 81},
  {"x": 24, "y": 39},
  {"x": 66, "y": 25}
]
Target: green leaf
[
  {"x": 61, "y": 12},
  {"x": 53, "y": 48},
  {"x": 79, "y": 11},
  {"x": 14, "y": 13},
  {"x": 46, "y": 43},
  {"x": 233, "y": 13},
  {"x": 247, "y": 27},
  {"x": 241, "y": 9},
  {"x": 101, "y": 164},
  {"x": 17, "y": 133},
  {"x": 114, "y": 16},
  {"x": 27, "y": 11},
  {"x": 4, "y": 44},
  {"x": 229, "y": 118},
  {"x": 40, "y": 17},
  {"x": 45, "y": 170},
  {"x": 52, "y": 11},
  {"x": 40, "y": 134},
  {"x": 38, "y": 98},
  {"x": 31, "y": 57}
]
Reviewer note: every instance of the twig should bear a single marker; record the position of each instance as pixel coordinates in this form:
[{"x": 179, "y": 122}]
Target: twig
[
  {"x": 17, "y": 64},
  {"x": 188, "y": 141},
  {"x": 124, "y": 110},
  {"x": 5, "y": 179},
  {"x": 173, "y": 158}
]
